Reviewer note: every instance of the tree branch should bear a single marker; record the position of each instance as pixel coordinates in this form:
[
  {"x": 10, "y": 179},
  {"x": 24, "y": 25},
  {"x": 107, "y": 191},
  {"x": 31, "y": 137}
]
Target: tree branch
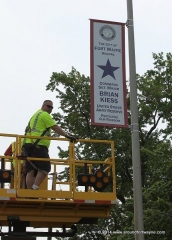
[{"x": 154, "y": 126}]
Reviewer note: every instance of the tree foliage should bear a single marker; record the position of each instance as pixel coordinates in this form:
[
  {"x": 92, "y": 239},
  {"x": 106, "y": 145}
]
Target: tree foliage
[{"x": 155, "y": 124}]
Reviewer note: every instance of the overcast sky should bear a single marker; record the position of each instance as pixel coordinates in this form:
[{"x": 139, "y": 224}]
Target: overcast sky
[{"x": 38, "y": 37}]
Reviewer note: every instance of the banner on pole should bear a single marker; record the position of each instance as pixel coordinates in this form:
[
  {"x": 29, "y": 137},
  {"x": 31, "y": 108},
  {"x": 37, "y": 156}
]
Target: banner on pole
[{"x": 108, "y": 80}]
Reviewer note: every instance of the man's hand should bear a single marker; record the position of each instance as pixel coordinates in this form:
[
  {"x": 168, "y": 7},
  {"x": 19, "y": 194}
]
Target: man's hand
[{"x": 72, "y": 138}]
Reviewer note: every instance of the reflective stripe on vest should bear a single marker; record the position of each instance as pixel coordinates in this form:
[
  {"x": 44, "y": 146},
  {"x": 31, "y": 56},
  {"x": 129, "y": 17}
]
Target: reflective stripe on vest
[{"x": 33, "y": 129}]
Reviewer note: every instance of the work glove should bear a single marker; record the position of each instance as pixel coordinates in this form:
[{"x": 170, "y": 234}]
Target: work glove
[{"x": 72, "y": 138}]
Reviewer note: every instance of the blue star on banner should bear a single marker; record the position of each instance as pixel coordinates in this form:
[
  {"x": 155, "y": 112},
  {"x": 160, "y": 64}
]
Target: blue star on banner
[{"x": 108, "y": 69}]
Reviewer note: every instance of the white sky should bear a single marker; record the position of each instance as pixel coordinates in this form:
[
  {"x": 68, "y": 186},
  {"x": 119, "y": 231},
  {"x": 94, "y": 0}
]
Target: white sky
[{"x": 38, "y": 37}]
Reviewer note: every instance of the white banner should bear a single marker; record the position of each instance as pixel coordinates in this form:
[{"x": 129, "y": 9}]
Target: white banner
[{"x": 108, "y": 81}]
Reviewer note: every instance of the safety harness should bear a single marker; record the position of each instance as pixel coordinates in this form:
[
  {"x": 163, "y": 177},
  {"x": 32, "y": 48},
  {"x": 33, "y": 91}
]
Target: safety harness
[{"x": 25, "y": 154}]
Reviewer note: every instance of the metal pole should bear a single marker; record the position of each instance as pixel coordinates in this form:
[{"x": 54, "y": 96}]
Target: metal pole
[{"x": 137, "y": 185}]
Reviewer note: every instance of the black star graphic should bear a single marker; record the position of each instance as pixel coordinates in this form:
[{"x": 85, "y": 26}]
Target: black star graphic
[{"x": 108, "y": 69}]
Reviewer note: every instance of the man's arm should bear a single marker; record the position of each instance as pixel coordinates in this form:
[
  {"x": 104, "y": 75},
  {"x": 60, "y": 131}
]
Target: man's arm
[{"x": 58, "y": 130}]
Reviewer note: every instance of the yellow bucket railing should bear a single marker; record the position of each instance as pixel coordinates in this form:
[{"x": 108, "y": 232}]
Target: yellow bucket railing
[{"x": 48, "y": 190}]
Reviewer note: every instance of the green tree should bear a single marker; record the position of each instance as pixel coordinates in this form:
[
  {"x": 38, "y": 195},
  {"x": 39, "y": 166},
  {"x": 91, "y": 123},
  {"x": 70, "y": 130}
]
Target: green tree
[{"x": 154, "y": 104}]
